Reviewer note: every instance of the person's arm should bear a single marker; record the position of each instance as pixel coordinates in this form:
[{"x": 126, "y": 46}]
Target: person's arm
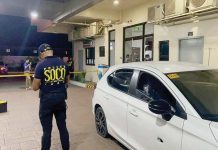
[
  {"x": 67, "y": 76},
  {"x": 68, "y": 79},
  {"x": 36, "y": 84}
]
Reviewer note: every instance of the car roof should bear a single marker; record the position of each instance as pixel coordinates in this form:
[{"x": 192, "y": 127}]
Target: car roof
[{"x": 167, "y": 67}]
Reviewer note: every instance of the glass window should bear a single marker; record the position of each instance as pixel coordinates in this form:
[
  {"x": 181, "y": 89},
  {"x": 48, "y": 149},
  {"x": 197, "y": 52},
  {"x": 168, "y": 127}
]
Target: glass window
[
  {"x": 164, "y": 50},
  {"x": 90, "y": 56},
  {"x": 138, "y": 43},
  {"x": 201, "y": 90},
  {"x": 121, "y": 79},
  {"x": 101, "y": 51},
  {"x": 148, "y": 53},
  {"x": 133, "y": 50},
  {"x": 133, "y": 43},
  {"x": 150, "y": 88},
  {"x": 134, "y": 31},
  {"x": 112, "y": 35},
  {"x": 149, "y": 29}
]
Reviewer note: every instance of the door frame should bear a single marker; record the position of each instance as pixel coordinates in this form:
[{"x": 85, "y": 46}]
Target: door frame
[
  {"x": 109, "y": 40},
  {"x": 141, "y": 37},
  {"x": 81, "y": 61}
]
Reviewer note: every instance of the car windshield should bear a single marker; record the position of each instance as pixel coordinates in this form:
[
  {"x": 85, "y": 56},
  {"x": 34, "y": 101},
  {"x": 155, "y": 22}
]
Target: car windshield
[{"x": 201, "y": 90}]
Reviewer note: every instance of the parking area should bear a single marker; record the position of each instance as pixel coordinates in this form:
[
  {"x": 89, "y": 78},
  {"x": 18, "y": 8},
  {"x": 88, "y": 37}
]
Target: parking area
[{"x": 20, "y": 128}]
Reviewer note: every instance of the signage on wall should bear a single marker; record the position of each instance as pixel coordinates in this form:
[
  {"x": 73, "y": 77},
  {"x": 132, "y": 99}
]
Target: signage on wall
[
  {"x": 88, "y": 43},
  {"x": 8, "y": 50},
  {"x": 190, "y": 34},
  {"x": 136, "y": 29}
]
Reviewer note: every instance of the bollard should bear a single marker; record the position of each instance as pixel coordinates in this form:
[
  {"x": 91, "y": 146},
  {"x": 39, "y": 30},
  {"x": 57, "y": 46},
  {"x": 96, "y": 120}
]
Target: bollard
[{"x": 3, "y": 106}]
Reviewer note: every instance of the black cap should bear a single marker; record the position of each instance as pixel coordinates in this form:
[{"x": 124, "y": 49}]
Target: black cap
[{"x": 44, "y": 47}]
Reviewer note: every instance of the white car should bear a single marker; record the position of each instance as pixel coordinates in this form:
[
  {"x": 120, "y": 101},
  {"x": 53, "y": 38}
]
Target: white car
[{"x": 159, "y": 106}]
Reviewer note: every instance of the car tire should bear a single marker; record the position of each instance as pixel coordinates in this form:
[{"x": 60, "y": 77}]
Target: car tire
[{"x": 100, "y": 123}]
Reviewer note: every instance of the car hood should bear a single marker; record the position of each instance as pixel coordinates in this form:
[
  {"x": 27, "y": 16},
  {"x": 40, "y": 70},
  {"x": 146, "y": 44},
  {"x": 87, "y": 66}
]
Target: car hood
[{"x": 214, "y": 129}]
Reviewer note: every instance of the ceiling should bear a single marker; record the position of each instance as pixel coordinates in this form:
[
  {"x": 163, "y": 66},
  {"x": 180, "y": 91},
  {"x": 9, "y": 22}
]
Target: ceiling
[
  {"x": 47, "y": 9},
  {"x": 92, "y": 14},
  {"x": 124, "y": 4},
  {"x": 59, "y": 11}
]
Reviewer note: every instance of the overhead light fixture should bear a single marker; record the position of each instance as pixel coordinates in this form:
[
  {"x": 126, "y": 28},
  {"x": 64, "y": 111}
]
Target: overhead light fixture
[
  {"x": 116, "y": 2},
  {"x": 34, "y": 15}
]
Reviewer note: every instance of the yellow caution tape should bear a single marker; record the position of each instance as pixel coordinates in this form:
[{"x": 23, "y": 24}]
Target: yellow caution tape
[
  {"x": 21, "y": 74},
  {"x": 3, "y": 102},
  {"x": 83, "y": 72},
  {"x": 18, "y": 72},
  {"x": 9, "y": 76}
]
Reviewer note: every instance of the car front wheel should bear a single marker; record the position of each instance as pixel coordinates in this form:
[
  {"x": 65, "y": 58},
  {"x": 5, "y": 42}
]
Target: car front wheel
[{"x": 100, "y": 122}]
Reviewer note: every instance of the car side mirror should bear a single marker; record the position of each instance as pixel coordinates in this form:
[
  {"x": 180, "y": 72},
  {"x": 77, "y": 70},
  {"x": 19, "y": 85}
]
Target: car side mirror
[{"x": 161, "y": 107}]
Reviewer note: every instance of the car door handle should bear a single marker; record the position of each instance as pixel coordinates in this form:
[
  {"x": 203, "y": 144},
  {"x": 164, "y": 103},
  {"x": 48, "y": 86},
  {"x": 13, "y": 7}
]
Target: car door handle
[{"x": 133, "y": 114}]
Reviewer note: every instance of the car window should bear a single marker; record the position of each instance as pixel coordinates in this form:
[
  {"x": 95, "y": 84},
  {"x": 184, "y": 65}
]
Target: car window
[
  {"x": 150, "y": 88},
  {"x": 1, "y": 63},
  {"x": 121, "y": 79}
]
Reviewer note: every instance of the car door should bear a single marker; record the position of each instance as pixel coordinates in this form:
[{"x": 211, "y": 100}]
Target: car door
[
  {"x": 146, "y": 130},
  {"x": 116, "y": 102}
]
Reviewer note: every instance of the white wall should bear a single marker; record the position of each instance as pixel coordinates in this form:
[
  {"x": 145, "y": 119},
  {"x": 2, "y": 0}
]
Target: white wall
[
  {"x": 91, "y": 70},
  {"x": 78, "y": 45},
  {"x": 92, "y": 76},
  {"x": 139, "y": 13},
  {"x": 207, "y": 29}
]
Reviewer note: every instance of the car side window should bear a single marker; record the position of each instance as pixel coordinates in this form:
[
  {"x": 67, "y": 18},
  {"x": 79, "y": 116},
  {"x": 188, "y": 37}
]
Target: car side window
[
  {"x": 121, "y": 79},
  {"x": 150, "y": 88}
]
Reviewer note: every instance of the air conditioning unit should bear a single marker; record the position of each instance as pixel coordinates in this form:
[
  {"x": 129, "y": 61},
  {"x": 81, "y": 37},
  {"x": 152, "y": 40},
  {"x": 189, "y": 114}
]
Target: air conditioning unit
[
  {"x": 195, "y": 5},
  {"x": 92, "y": 29},
  {"x": 155, "y": 13},
  {"x": 174, "y": 7},
  {"x": 95, "y": 29}
]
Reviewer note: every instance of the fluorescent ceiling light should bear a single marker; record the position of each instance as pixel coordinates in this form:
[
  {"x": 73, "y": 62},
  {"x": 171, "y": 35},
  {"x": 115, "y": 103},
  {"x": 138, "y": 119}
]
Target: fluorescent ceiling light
[
  {"x": 116, "y": 2},
  {"x": 34, "y": 15}
]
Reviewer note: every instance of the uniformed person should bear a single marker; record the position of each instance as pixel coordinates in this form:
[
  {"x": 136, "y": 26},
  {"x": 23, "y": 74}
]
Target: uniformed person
[{"x": 51, "y": 77}]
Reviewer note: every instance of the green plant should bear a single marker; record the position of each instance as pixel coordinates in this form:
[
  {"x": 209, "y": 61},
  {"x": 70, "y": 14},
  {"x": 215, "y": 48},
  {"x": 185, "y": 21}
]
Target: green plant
[
  {"x": 76, "y": 77},
  {"x": 83, "y": 75}
]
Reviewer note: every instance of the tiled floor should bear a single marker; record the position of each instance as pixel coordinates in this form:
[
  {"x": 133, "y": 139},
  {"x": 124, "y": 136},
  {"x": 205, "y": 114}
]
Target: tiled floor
[{"x": 20, "y": 128}]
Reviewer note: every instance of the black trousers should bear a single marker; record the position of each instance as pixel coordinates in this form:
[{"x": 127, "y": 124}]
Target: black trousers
[{"x": 53, "y": 104}]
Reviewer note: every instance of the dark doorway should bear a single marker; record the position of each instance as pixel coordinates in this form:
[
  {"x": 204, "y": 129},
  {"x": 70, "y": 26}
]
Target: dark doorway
[{"x": 164, "y": 50}]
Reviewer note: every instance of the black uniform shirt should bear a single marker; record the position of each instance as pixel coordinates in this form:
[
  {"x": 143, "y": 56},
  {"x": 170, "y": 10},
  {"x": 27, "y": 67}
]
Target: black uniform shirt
[{"x": 53, "y": 73}]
